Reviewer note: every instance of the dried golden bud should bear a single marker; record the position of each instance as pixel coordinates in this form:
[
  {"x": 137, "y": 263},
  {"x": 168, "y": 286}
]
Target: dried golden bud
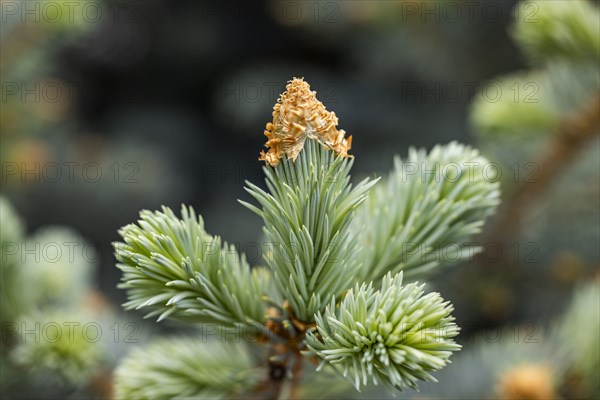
[{"x": 298, "y": 115}]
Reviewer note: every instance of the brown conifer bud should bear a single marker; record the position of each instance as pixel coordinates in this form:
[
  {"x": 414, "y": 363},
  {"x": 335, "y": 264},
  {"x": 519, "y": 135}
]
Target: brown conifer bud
[
  {"x": 298, "y": 116},
  {"x": 528, "y": 381}
]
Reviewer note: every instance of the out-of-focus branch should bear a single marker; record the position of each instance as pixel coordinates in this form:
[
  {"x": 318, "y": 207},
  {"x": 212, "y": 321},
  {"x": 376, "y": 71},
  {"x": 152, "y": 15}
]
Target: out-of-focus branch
[{"x": 574, "y": 133}]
